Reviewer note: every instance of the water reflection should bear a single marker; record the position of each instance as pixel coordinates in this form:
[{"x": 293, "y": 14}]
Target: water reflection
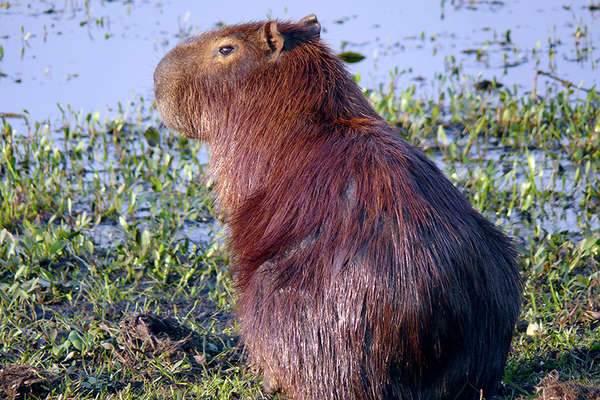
[{"x": 93, "y": 55}]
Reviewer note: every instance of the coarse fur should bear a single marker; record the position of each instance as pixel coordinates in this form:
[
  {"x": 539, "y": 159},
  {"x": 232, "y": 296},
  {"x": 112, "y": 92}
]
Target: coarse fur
[{"x": 361, "y": 271}]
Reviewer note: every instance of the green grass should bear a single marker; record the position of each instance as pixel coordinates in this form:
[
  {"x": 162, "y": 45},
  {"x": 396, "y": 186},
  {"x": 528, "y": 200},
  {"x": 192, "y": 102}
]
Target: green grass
[{"x": 102, "y": 220}]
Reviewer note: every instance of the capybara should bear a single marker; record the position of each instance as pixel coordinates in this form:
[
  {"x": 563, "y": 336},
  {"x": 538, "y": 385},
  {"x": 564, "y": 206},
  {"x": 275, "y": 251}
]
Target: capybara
[{"x": 361, "y": 271}]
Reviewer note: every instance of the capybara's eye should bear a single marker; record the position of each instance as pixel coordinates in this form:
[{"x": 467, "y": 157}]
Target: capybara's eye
[{"x": 226, "y": 50}]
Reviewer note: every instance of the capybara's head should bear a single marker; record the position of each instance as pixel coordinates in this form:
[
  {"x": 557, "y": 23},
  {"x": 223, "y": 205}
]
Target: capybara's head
[{"x": 256, "y": 73}]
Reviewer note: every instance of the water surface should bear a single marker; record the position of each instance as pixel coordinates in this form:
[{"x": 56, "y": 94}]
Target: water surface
[{"x": 94, "y": 55}]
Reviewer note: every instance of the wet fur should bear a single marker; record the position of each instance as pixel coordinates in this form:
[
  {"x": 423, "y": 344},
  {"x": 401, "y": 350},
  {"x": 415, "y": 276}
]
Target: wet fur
[{"x": 361, "y": 271}]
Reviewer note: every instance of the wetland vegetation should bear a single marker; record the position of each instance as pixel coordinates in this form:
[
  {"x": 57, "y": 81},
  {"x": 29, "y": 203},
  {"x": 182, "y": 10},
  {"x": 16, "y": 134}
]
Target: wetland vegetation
[{"x": 113, "y": 267}]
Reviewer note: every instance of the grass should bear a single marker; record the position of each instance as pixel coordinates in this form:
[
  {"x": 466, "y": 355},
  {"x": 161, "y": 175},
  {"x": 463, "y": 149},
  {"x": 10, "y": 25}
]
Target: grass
[{"x": 113, "y": 273}]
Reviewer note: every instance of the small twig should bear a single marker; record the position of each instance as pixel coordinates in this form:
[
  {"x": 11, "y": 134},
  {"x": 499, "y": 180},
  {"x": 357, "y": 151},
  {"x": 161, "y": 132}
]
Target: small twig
[
  {"x": 563, "y": 81},
  {"x": 12, "y": 115},
  {"x": 5, "y": 115}
]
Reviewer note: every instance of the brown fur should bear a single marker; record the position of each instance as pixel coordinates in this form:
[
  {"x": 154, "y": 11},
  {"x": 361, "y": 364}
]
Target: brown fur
[{"x": 362, "y": 272}]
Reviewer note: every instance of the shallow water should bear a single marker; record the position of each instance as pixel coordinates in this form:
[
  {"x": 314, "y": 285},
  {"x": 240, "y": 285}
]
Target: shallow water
[
  {"x": 100, "y": 56},
  {"x": 92, "y": 56}
]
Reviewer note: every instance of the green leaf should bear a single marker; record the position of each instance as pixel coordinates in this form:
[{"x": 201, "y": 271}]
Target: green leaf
[
  {"x": 587, "y": 243},
  {"x": 531, "y": 162},
  {"x": 145, "y": 239},
  {"x": 351, "y": 57},
  {"x": 527, "y": 203},
  {"x": 56, "y": 247},
  {"x": 123, "y": 222},
  {"x": 77, "y": 341},
  {"x": 441, "y": 135},
  {"x": 68, "y": 235},
  {"x": 152, "y": 136}
]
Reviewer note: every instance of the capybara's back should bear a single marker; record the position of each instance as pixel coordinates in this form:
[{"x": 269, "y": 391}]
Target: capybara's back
[{"x": 362, "y": 272}]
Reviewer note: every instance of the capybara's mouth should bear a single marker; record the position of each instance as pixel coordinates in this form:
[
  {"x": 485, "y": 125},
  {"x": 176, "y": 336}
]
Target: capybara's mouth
[
  {"x": 168, "y": 93},
  {"x": 162, "y": 94}
]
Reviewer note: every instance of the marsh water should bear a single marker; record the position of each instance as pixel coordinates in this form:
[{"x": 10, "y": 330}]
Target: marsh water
[
  {"x": 92, "y": 55},
  {"x": 97, "y": 58}
]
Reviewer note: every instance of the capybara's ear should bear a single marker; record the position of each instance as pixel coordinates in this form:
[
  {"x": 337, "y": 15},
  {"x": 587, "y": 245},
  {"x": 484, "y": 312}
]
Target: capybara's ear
[
  {"x": 312, "y": 24},
  {"x": 271, "y": 37}
]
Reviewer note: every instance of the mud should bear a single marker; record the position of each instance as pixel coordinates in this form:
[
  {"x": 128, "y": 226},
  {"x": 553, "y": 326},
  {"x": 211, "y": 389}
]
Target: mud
[
  {"x": 19, "y": 381},
  {"x": 156, "y": 336},
  {"x": 551, "y": 388}
]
